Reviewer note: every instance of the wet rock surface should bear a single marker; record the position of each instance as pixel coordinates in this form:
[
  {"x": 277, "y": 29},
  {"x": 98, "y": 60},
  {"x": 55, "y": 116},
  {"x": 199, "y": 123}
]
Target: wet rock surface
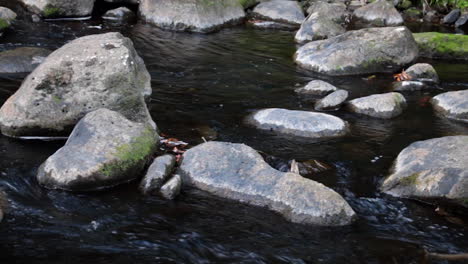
[
  {"x": 317, "y": 27},
  {"x": 434, "y": 168},
  {"x": 298, "y": 123},
  {"x": 380, "y": 13},
  {"x": 316, "y": 88},
  {"x": 121, "y": 14},
  {"x": 453, "y": 105},
  {"x": 86, "y": 74},
  {"x": 60, "y": 8},
  {"x": 361, "y": 51},
  {"x": 22, "y": 60},
  {"x": 332, "y": 101},
  {"x": 157, "y": 174},
  {"x": 289, "y": 12},
  {"x": 104, "y": 149},
  {"x": 423, "y": 72},
  {"x": 202, "y": 16},
  {"x": 238, "y": 172},
  {"x": 171, "y": 188},
  {"x": 385, "y": 106}
]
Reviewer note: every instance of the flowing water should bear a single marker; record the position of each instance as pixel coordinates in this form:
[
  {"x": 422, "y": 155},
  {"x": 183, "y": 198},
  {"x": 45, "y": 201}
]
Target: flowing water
[{"x": 203, "y": 86}]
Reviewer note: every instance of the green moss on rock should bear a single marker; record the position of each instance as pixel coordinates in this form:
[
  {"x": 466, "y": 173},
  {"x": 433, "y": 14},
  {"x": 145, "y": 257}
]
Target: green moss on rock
[
  {"x": 410, "y": 180},
  {"x": 51, "y": 11},
  {"x": 4, "y": 24},
  {"x": 440, "y": 45}
]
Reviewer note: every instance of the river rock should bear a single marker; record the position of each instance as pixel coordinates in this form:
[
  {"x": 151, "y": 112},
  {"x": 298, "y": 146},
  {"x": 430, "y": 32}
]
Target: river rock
[
  {"x": 104, "y": 149},
  {"x": 120, "y": 14},
  {"x": 362, "y": 51},
  {"x": 423, "y": 72},
  {"x": 462, "y": 21},
  {"x": 434, "y": 168},
  {"x": 380, "y": 13},
  {"x": 317, "y": 27},
  {"x": 442, "y": 46},
  {"x": 22, "y": 60},
  {"x": 333, "y": 11},
  {"x": 385, "y": 106},
  {"x": 192, "y": 15},
  {"x": 332, "y": 101},
  {"x": 7, "y": 16},
  {"x": 453, "y": 105},
  {"x": 238, "y": 172},
  {"x": 60, "y": 8},
  {"x": 157, "y": 174},
  {"x": 92, "y": 72},
  {"x": 451, "y": 17},
  {"x": 316, "y": 87},
  {"x": 298, "y": 123},
  {"x": 289, "y": 12},
  {"x": 133, "y": 2},
  {"x": 171, "y": 188}
]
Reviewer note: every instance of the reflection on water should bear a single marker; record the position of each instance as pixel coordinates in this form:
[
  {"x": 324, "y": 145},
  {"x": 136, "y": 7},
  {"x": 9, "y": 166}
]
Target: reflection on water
[{"x": 208, "y": 84}]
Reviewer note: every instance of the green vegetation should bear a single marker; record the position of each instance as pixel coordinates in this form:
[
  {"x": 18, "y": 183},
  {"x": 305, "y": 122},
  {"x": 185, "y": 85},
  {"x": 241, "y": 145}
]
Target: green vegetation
[
  {"x": 433, "y": 44},
  {"x": 3, "y": 24},
  {"x": 132, "y": 154},
  {"x": 410, "y": 180},
  {"x": 447, "y": 4},
  {"x": 51, "y": 11}
]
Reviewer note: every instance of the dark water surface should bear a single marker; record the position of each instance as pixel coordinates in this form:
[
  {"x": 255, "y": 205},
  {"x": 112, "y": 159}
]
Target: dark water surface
[{"x": 204, "y": 85}]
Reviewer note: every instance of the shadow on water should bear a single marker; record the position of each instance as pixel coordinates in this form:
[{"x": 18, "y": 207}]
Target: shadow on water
[{"x": 208, "y": 84}]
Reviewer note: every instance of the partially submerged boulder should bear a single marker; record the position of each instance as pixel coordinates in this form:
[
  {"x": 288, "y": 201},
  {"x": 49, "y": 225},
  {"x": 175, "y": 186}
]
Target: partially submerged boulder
[
  {"x": 385, "y": 106},
  {"x": 442, "y": 46},
  {"x": 316, "y": 88},
  {"x": 362, "y": 51},
  {"x": 289, "y": 12},
  {"x": 423, "y": 76},
  {"x": 171, "y": 188},
  {"x": 238, "y": 172},
  {"x": 453, "y": 105},
  {"x": 434, "y": 168},
  {"x": 317, "y": 27},
  {"x": 202, "y": 16},
  {"x": 332, "y": 101},
  {"x": 380, "y": 13},
  {"x": 92, "y": 72},
  {"x": 60, "y": 8},
  {"x": 298, "y": 123},
  {"x": 104, "y": 149},
  {"x": 7, "y": 16},
  {"x": 22, "y": 60},
  {"x": 121, "y": 14},
  {"x": 157, "y": 174}
]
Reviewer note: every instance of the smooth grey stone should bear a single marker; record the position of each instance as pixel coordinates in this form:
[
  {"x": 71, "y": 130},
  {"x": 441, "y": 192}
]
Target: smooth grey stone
[
  {"x": 22, "y": 60},
  {"x": 202, "y": 16},
  {"x": 453, "y": 105},
  {"x": 423, "y": 72},
  {"x": 384, "y": 106},
  {"x": 361, "y": 51},
  {"x": 298, "y": 123},
  {"x": 157, "y": 174},
  {"x": 332, "y": 101},
  {"x": 316, "y": 87},
  {"x": 171, "y": 188},
  {"x": 105, "y": 149},
  {"x": 280, "y": 11},
  {"x": 88, "y": 73},
  {"x": 434, "y": 168},
  {"x": 380, "y": 13},
  {"x": 238, "y": 172}
]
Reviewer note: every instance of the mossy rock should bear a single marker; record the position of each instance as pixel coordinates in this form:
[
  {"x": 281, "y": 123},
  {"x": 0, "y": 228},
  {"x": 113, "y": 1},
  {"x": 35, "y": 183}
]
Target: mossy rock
[
  {"x": 248, "y": 3},
  {"x": 51, "y": 12},
  {"x": 3, "y": 24},
  {"x": 405, "y": 4},
  {"x": 440, "y": 45}
]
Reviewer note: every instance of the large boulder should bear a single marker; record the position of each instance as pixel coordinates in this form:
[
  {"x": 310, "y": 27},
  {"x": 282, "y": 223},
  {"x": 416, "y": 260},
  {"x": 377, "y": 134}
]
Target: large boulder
[
  {"x": 289, "y": 12},
  {"x": 7, "y": 16},
  {"x": 434, "y": 168},
  {"x": 104, "y": 149},
  {"x": 317, "y": 27},
  {"x": 298, "y": 123},
  {"x": 453, "y": 105},
  {"x": 333, "y": 11},
  {"x": 192, "y": 15},
  {"x": 385, "y": 106},
  {"x": 92, "y": 72},
  {"x": 60, "y": 8},
  {"x": 380, "y": 13},
  {"x": 362, "y": 51},
  {"x": 238, "y": 172},
  {"x": 442, "y": 46},
  {"x": 22, "y": 60}
]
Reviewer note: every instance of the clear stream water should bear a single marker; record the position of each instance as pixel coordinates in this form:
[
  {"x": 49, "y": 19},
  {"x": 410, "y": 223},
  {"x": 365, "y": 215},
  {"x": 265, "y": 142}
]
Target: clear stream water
[{"x": 204, "y": 85}]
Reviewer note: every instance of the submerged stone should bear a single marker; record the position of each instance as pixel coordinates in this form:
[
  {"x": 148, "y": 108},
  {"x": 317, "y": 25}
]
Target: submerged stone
[
  {"x": 104, "y": 149},
  {"x": 92, "y": 72},
  {"x": 434, "y": 168},
  {"x": 362, "y": 51},
  {"x": 441, "y": 45},
  {"x": 202, "y": 16},
  {"x": 238, "y": 172},
  {"x": 22, "y": 60},
  {"x": 385, "y": 106},
  {"x": 298, "y": 123},
  {"x": 453, "y": 105}
]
